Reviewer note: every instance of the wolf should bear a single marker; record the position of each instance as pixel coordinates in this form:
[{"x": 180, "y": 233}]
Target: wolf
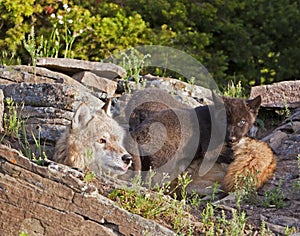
[
  {"x": 94, "y": 142},
  {"x": 239, "y": 118},
  {"x": 251, "y": 159},
  {"x": 240, "y": 115}
]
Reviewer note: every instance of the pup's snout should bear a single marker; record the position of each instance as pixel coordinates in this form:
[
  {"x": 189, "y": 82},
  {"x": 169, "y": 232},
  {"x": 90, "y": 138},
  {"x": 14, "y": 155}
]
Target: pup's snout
[
  {"x": 127, "y": 159},
  {"x": 232, "y": 139}
]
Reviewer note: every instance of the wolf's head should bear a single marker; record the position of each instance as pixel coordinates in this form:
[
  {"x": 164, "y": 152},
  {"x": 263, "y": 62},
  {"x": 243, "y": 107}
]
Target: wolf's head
[
  {"x": 241, "y": 115},
  {"x": 96, "y": 141}
]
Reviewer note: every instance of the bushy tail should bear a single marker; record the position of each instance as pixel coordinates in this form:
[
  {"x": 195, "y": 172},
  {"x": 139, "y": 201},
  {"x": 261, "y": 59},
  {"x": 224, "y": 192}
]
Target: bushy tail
[{"x": 255, "y": 160}]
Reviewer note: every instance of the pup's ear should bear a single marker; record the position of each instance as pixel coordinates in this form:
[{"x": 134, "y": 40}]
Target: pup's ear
[
  {"x": 107, "y": 107},
  {"x": 82, "y": 117},
  {"x": 254, "y": 104}
]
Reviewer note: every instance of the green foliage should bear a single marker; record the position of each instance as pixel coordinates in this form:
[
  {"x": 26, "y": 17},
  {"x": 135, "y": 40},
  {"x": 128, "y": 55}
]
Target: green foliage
[
  {"x": 250, "y": 41},
  {"x": 16, "y": 17},
  {"x": 245, "y": 186},
  {"x": 68, "y": 22},
  {"x": 14, "y": 127},
  {"x": 290, "y": 231},
  {"x": 40, "y": 155},
  {"x": 222, "y": 225},
  {"x": 264, "y": 230},
  {"x": 296, "y": 184},
  {"x": 12, "y": 121},
  {"x": 31, "y": 47},
  {"x": 274, "y": 197},
  {"x": 134, "y": 62},
  {"x": 155, "y": 205},
  {"x": 234, "y": 90},
  {"x": 9, "y": 58},
  {"x": 22, "y": 233},
  {"x": 236, "y": 39},
  {"x": 89, "y": 176}
]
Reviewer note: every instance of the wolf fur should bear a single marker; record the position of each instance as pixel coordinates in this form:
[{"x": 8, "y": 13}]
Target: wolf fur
[
  {"x": 94, "y": 142},
  {"x": 206, "y": 117},
  {"x": 240, "y": 116},
  {"x": 252, "y": 158}
]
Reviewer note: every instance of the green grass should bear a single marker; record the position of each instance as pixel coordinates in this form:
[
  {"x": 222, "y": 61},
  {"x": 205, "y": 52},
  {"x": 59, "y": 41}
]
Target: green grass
[
  {"x": 31, "y": 46},
  {"x": 9, "y": 58},
  {"x": 134, "y": 62},
  {"x": 234, "y": 90},
  {"x": 177, "y": 213},
  {"x": 274, "y": 197},
  {"x": 296, "y": 185},
  {"x": 157, "y": 205},
  {"x": 15, "y": 128}
]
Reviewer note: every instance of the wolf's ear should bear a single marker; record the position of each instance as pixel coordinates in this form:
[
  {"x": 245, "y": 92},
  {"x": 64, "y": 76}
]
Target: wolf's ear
[
  {"x": 107, "y": 107},
  {"x": 82, "y": 117},
  {"x": 254, "y": 104}
]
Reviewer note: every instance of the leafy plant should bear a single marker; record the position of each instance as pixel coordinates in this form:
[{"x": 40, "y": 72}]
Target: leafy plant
[
  {"x": 297, "y": 183},
  {"x": 234, "y": 90},
  {"x": 134, "y": 62},
  {"x": 221, "y": 225},
  {"x": 9, "y": 58},
  {"x": 245, "y": 186},
  {"x": 89, "y": 176},
  {"x": 274, "y": 197},
  {"x": 12, "y": 121},
  {"x": 290, "y": 231},
  {"x": 31, "y": 46},
  {"x": 64, "y": 32},
  {"x": 22, "y": 233},
  {"x": 264, "y": 230},
  {"x": 157, "y": 205},
  {"x": 14, "y": 127}
]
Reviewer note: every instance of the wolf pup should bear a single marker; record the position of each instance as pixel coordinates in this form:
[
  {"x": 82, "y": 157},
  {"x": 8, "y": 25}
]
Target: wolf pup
[
  {"x": 245, "y": 156},
  {"x": 93, "y": 142},
  {"x": 240, "y": 116}
]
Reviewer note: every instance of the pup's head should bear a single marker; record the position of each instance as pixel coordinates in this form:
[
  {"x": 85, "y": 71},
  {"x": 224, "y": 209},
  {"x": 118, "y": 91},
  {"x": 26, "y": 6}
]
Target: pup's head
[{"x": 241, "y": 115}]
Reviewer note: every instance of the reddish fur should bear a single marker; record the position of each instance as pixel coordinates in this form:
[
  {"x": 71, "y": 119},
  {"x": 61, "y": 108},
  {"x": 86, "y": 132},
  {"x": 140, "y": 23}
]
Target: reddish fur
[{"x": 251, "y": 157}]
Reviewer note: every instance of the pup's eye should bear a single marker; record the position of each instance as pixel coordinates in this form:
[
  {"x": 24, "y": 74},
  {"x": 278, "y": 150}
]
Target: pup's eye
[
  {"x": 241, "y": 123},
  {"x": 101, "y": 140}
]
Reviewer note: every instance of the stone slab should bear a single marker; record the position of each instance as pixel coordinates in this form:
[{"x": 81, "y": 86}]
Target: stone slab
[
  {"x": 73, "y": 66},
  {"x": 279, "y": 95}
]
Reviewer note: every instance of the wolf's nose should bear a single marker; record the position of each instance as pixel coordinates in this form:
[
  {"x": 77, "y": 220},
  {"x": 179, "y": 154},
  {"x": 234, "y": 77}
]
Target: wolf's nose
[{"x": 126, "y": 158}]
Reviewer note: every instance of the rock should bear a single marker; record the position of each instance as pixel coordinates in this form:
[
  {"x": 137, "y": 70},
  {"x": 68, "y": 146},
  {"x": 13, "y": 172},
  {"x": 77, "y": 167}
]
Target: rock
[
  {"x": 282, "y": 94},
  {"x": 285, "y": 140},
  {"x": 27, "y": 74},
  {"x": 95, "y": 82},
  {"x": 189, "y": 94},
  {"x": 1, "y": 110},
  {"x": 275, "y": 139},
  {"x": 46, "y": 101},
  {"x": 73, "y": 66},
  {"x": 53, "y": 199}
]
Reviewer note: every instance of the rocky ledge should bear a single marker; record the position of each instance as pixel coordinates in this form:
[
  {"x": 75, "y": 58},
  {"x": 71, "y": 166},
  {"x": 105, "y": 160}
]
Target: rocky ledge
[{"x": 43, "y": 200}]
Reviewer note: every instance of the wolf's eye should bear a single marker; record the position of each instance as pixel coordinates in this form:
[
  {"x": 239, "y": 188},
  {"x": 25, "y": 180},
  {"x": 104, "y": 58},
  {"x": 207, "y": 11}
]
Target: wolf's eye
[
  {"x": 101, "y": 140},
  {"x": 241, "y": 123}
]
